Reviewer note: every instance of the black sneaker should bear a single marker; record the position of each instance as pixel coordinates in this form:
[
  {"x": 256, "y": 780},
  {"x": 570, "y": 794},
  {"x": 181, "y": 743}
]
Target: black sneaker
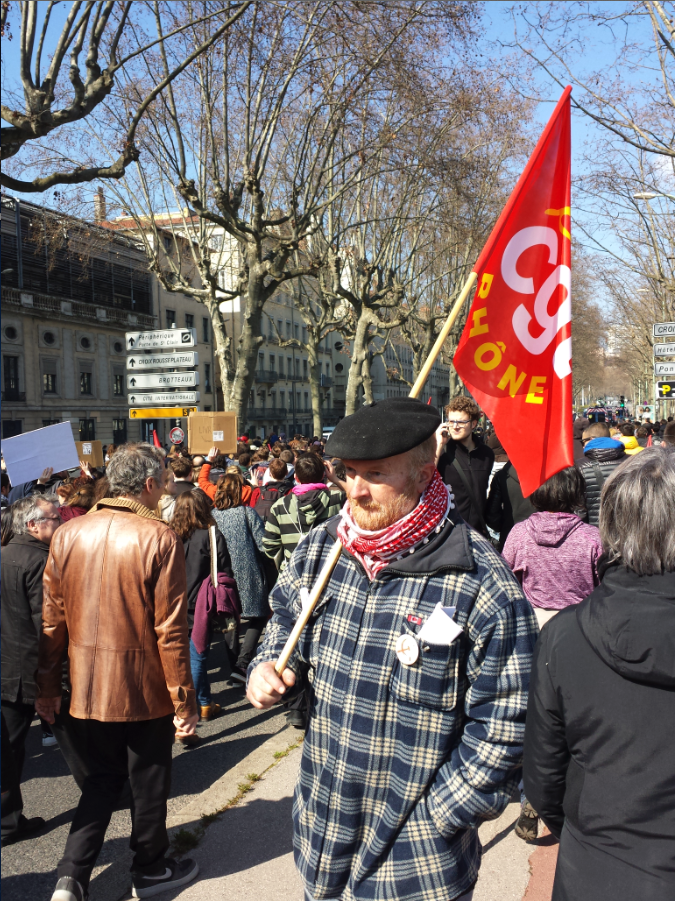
[
  {"x": 176, "y": 872},
  {"x": 25, "y": 829},
  {"x": 69, "y": 889},
  {"x": 527, "y": 826},
  {"x": 238, "y": 675}
]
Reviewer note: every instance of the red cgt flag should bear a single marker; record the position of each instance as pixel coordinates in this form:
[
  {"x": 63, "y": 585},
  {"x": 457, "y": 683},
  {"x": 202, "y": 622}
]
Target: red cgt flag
[{"x": 515, "y": 353}]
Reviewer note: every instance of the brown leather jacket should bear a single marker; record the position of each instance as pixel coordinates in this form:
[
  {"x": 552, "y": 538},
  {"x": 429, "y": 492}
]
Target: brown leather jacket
[{"x": 115, "y": 595}]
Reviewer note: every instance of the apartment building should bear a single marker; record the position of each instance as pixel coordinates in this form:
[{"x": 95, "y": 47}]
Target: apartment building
[{"x": 70, "y": 291}]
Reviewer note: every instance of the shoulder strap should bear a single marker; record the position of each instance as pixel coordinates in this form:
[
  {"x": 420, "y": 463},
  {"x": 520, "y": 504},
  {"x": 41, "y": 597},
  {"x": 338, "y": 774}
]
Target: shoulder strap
[
  {"x": 214, "y": 556},
  {"x": 472, "y": 496}
]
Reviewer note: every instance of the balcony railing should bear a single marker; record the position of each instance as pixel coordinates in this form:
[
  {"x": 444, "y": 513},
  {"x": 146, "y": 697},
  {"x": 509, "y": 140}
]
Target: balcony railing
[
  {"x": 326, "y": 381},
  {"x": 71, "y": 308},
  {"x": 13, "y": 395},
  {"x": 268, "y": 376},
  {"x": 267, "y": 413}
]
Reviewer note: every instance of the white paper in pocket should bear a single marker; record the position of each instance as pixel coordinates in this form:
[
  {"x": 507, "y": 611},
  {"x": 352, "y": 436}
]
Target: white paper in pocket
[{"x": 440, "y": 628}]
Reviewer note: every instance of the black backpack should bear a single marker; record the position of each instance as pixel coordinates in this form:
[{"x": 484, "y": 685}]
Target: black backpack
[{"x": 268, "y": 496}]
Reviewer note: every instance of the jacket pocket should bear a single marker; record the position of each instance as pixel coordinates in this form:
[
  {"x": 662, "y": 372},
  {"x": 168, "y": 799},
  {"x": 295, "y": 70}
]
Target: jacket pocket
[{"x": 432, "y": 681}]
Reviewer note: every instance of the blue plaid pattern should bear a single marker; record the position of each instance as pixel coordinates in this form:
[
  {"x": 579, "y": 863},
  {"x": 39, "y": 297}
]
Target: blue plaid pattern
[{"x": 401, "y": 764}]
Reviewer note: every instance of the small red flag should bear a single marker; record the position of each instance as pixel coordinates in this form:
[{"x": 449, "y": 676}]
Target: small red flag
[
  {"x": 515, "y": 353},
  {"x": 155, "y": 439}
]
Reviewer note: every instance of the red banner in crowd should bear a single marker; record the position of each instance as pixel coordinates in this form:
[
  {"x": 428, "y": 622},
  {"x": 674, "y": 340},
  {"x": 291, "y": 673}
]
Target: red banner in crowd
[{"x": 515, "y": 353}]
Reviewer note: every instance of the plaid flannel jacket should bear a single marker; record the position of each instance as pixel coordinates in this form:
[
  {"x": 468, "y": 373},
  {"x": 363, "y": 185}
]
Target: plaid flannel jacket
[{"x": 401, "y": 763}]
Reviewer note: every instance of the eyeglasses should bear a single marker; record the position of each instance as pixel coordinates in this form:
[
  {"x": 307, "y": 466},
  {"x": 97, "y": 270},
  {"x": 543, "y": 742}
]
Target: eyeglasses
[
  {"x": 49, "y": 517},
  {"x": 458, "y": 422}
]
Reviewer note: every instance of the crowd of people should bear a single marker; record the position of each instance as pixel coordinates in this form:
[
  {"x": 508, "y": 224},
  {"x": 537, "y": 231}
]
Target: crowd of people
[{"x": 116, "y": 582}]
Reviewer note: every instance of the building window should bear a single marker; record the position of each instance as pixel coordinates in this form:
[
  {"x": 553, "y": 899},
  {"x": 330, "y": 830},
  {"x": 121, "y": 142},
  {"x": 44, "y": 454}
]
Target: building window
[
  {"x": 270, "y": 329},
  {"x": 328, "y": 369},
  {"x": 85, "y": 384},
  {"x": 297, "y": 401},
  {"x": 280, "y": 328},
  {"x": 297, "y": 368},
  {"x": 297, "y": 331},
  {"x": 288, "y": 329},
  {"x": 261, "y": 362},
  {"x": 281, "y": 365},
  {"x": 11, "y": 427},
  {"x": 304, "y": 334},
  {"x": 11, "y": 374},
  {"x": 251, "y": 399},
  {"x": 189, "y": 320},
  {"x": 304, "y": 368},
  {"x": 118, "y": 385},
  {"x": 207, "y": 378},
  {"x": 273, "y": 396},
  {"x": 289, "y": 368},
  {"x": 272, "y": 363},
  {"x": 306, "y": 401},
  {"x": 46, "y": 422},
  {"x": 282, "y": 399},
  {"x": 170, "y": 318},
  {"x": 119, "y": 431},
  {"x": 205, "y": 330},
  {"x": 49, "y": 383},
  {"x": 87, "y": 430}
]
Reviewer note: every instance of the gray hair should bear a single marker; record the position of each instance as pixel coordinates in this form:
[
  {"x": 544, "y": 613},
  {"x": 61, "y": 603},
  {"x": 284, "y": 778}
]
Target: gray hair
[
  {"x": 637, "y": 512},
  {"x": 30, "y": 509},
  {"x": 131, "y": 466}
]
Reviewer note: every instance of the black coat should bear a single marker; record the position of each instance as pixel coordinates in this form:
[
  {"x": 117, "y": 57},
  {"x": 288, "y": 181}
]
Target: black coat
[
  {"x": 599, "y": 751},
  {"x": 506, "y": 505},
  {"x": 198, "y": 563},
  {"x": 607, "y": 459},
  {"x": 476, "y": 466},
  {"x": 23, "y": 563}
]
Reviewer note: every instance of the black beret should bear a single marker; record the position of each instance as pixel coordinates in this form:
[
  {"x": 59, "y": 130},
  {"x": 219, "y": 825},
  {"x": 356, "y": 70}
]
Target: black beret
[{"x": 383, "y": 429}]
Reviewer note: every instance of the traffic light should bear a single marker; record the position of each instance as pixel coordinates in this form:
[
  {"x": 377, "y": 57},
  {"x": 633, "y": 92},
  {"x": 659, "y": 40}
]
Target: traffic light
[{"x": 622, "y": 401}]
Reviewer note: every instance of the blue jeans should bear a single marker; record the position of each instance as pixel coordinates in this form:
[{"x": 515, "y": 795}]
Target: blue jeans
[{"x": 200, "y": 675}]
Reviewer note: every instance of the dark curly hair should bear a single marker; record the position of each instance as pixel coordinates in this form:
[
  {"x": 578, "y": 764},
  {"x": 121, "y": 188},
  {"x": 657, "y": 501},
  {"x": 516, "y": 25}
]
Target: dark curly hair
[{"x": 192, "y": 511}]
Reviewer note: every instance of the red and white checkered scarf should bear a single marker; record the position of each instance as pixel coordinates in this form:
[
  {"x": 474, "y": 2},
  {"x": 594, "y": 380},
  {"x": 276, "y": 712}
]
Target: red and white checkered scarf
[{"x": 374, "y": 550}]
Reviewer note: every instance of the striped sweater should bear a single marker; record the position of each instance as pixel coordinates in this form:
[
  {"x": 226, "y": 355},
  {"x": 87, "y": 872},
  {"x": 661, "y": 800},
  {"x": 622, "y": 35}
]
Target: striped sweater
[{"x": 293, "y": 516}]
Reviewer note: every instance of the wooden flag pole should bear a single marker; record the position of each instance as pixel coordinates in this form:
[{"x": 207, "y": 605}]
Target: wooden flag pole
[{"x": 334, "y": 555}]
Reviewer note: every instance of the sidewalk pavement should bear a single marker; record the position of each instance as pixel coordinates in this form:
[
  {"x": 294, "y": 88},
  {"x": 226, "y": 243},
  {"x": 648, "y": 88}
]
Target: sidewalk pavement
[{"x": 246, "y": 853}]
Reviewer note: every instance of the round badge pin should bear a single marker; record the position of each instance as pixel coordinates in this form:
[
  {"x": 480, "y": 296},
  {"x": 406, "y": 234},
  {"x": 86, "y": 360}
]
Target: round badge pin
[{"x": 407, "y": 650}]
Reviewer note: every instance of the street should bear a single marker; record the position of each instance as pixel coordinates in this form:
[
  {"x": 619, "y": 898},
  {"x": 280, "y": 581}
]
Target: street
[{"x": 28, "y": 868}]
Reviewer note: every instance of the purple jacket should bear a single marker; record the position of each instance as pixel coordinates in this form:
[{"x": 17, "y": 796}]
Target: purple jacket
[
  {"x": 223, "y": 599},
  {"x": 555, "y": 557}
]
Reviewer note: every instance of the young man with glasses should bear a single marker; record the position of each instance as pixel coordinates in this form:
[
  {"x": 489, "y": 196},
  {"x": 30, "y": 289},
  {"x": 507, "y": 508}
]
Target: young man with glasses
[{"x": 464, "y": 461}]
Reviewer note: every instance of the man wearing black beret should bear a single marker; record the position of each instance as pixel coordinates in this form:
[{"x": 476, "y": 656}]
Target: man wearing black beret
[{"x": 419, "y": 655}]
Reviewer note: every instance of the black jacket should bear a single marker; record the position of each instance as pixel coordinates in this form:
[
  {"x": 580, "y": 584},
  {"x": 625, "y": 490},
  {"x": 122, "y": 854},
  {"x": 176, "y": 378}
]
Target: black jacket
[
  {"x": 506, "y": 505},
  {"x": 476, "y": 467},
  {"x": 607, "y": 460},
  {"x": 599, "y": 752},
  {"x": 198, "y": 563},
  {"x": 23, "y": 563}
]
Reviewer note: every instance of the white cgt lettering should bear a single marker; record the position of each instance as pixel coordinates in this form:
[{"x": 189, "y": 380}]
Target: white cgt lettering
[
  {"x": 551, "y": 325},
  {"x": 519, "y": 243}
]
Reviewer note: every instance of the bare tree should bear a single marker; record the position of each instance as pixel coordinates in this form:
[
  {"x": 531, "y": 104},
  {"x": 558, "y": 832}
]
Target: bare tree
[
  {"x": 632, "y": 96},
  {"x": 271, "y": 126},
  {"x": 98, "y": 30}
]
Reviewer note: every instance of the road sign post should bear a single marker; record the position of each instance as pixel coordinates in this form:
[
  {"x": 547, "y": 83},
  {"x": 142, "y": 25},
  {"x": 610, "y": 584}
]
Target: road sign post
[
  {"x": 176, "y": 435},
  {"x": 665, "y": 390},
  {"x": 664, "y": 330},
  {"x": 152, "y": 399},
  {"x": 667, "y": 369},
  {"x": 139, "y": 381},
  {"x": 161, "y": 412},
  {"x": 144, "y": 361},
  {"x": 161, "y": 339},
  {"x": 664, "y": 350}
]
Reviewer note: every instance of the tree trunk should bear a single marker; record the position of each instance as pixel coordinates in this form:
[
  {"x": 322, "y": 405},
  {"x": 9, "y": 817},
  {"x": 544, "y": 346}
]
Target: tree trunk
[
  {"x": 223, "y": 351},
  {"x": 367, "y": 380},
  {"x": 249, "y": 342},
  {"x": 359, "y": 354},
  {"x": 314, "y": 381}
]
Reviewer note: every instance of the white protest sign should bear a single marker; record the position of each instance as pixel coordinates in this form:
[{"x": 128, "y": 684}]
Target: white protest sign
[{"x": 28, "y": 455}]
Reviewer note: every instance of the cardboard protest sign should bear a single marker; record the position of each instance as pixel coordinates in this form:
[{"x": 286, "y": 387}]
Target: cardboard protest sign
[
  {"x": 27, "y": 456},
  {"x": 208, "y": 429},
  {"x": 90, "y": 451}
]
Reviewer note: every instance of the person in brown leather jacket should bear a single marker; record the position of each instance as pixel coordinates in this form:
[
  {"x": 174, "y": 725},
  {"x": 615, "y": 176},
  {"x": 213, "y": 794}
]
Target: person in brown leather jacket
[{"x": 115, "y": 600}]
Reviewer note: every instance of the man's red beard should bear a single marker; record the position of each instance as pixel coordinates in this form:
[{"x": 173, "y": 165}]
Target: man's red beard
[{"x": 373, "y": 516}]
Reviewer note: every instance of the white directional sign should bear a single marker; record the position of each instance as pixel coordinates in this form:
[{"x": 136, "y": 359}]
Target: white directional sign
[
  {"x": 143, "y": 362},
  {"x": 664, "y": 350},
  {"x": 161, "y": 338},
  {"x": 138, "y": 381},
  {"x": 664, "y": 329},
  {"x": 177, "y": 399},
  {"x": 664, "y": 368}
]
